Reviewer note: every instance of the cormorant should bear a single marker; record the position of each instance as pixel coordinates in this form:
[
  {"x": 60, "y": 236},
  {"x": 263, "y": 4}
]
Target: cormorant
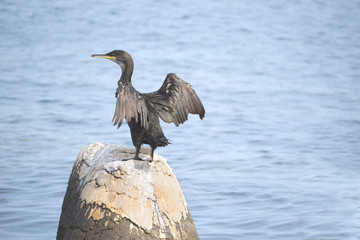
[{"x": 172, "y": 103}]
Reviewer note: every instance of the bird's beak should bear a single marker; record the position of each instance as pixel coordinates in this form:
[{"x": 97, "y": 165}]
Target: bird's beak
[{"x": 103, "y": 56}]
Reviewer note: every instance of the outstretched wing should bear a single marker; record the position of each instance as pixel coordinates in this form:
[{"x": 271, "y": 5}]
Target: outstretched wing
[
  {"x": 175, "y": 100},
  {"x": 130, "y": 104}
]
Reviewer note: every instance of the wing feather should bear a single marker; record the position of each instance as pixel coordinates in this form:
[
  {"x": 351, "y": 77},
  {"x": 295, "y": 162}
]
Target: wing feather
[
  {"x": 130, "y": 104},
  {"x": 175, "y": 100}
]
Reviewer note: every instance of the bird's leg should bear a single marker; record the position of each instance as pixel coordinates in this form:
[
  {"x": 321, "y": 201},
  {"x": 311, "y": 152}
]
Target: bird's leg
[
  {"x": 137, "y": 153},
  {"x": 136, "y": 157},
  {"x": 152, "y": 153}
]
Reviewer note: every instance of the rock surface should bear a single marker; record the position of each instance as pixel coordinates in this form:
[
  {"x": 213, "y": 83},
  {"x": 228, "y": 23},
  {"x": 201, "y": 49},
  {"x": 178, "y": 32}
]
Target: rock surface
[{"x": 108, "y": 198}]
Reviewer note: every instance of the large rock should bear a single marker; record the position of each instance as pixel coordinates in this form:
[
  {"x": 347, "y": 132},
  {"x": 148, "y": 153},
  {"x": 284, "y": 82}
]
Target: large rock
[{"x": 108, "y": 198}]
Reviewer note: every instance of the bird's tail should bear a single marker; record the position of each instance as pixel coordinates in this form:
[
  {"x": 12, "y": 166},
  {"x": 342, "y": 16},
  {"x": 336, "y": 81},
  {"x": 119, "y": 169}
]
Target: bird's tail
[{"x": 163, "y": 142}]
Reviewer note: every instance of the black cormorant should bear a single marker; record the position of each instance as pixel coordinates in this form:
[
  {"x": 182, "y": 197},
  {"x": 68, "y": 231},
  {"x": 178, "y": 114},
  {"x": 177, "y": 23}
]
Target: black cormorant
[{"x": 172, "y": 103}]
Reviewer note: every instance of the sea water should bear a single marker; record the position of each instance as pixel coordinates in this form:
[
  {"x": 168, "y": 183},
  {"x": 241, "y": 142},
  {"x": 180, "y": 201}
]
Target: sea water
[{"x": 278, "y": 153}]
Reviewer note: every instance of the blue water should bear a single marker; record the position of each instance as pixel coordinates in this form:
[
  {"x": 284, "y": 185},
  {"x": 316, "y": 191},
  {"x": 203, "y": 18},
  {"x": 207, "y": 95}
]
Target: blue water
[{"x": 278, "y": 153}]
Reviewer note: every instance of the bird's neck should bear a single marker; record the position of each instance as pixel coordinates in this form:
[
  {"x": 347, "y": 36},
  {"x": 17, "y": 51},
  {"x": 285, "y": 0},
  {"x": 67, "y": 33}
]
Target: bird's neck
[{"x": 127, "y": 70}]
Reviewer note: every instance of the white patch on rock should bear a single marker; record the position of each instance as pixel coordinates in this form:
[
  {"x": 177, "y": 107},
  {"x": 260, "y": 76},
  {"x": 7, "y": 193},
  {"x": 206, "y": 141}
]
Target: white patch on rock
[{"x": 112, "y": 166}]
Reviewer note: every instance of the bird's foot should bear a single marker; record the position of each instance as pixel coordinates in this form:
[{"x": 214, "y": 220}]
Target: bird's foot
[{"x": 138, "y": 159}]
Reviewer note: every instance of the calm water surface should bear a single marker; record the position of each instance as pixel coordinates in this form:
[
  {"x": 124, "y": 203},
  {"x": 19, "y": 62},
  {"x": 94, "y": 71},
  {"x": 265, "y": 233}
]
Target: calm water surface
[{"x": 278, "y": 154}]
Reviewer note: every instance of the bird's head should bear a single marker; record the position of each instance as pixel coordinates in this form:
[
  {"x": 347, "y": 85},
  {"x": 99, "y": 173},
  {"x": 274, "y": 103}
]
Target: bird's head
[{"x": 119, "y": 56}]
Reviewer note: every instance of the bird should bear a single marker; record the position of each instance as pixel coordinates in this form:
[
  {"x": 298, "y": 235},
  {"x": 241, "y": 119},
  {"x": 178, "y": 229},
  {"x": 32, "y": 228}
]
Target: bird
[{"x": 173, "y": 102}]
